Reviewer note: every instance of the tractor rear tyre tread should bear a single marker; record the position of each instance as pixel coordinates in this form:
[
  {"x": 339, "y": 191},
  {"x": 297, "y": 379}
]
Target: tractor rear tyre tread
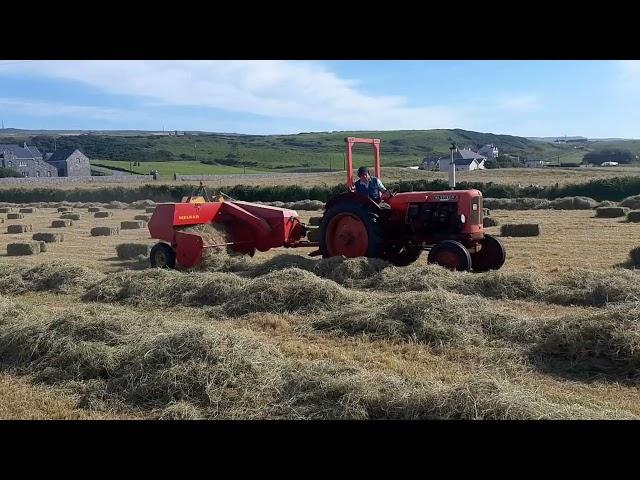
[
  {"x": 366, "y": 215},
  {"x": 162, "y": 255}
]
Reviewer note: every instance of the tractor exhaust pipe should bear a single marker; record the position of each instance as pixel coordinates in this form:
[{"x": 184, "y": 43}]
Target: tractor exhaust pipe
[{"x": 452, "y": 167}]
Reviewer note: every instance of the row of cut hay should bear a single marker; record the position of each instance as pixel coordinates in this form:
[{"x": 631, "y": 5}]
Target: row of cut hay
[
  {"x": 564, "y": 203},
  {"x": 53, "y": 277},
  {"x": 299, "y": 205},
  {"x": 118, "y": 358},
  {"x": 574, "y": 287}
]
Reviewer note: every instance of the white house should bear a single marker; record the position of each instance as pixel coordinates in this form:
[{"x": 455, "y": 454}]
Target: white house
[
  {"x": 609, "y": 164},
  {"x": 465, "y": 160}
]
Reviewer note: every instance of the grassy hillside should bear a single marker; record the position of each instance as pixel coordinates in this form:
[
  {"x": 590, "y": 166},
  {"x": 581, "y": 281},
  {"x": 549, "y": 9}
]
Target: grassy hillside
[{"x": 286, "y": 152}]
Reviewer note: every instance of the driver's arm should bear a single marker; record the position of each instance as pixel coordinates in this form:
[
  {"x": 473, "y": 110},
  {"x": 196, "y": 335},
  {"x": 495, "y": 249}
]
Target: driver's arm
[{"x": 381, "y": 186}]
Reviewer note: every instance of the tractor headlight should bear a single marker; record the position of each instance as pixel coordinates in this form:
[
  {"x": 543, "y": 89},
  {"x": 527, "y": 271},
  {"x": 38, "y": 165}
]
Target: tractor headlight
[{"x": 463, "y": 218}]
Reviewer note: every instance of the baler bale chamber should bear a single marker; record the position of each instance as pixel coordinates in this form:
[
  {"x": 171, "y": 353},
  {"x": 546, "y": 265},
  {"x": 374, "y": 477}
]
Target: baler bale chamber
[{"x": 248, "y": 227}]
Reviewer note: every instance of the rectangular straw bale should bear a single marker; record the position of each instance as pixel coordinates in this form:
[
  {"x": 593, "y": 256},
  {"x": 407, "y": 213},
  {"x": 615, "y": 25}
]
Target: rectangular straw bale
[
  {"x": 23, "y": 248},
  {"x": 104, "y": 231},
  {"x": 19, "y": 228},
  {"x": 132, "y": 224},
  {"x": 103, "y": 214},
  {"x": 48, "y": 237},
  {"x": 520, "y": 230},
  {"x": 61, "y": 223},
  {"x": 14, "y": 216}
]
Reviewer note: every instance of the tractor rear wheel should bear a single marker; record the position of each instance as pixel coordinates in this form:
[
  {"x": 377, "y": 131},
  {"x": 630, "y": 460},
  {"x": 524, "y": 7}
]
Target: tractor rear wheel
[
  {"x": 162, "y": 256},
  {"x": 403, "y": 255},
  {"x": 451, "y": 254},
  {"x": 351, "y": 230},
  {"x": 490, "y": 257}
]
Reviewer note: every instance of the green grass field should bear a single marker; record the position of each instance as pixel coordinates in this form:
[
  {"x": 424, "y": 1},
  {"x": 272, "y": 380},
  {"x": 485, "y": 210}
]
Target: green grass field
[{"x": 167, "y": 169}]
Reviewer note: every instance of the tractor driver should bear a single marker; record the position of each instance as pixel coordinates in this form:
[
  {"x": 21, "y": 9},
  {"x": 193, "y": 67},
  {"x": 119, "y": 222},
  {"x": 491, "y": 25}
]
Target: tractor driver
[{"x": 371, "y": 186}]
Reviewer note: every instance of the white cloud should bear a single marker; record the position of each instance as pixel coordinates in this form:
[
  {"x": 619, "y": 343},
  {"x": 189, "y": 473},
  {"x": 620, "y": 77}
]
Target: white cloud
[
  {"x": 519, "y": 103},
  {"x": 278, "y": 89},
  {"x": 41, "y": 108}
]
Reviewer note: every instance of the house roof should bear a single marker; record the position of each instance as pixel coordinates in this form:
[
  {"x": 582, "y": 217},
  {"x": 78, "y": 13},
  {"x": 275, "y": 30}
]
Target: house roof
[
  {"x": 61, "y": 155},
  {"x": 464, "y": 157},
  {"x": 20, "y": 152}
]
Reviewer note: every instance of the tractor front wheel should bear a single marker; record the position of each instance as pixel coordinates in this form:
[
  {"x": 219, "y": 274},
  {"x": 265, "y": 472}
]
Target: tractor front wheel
[
  {"x": 451, "y": 254},
  {"x": 491, "y": 255},
  {"x": 162, "y": 256}
]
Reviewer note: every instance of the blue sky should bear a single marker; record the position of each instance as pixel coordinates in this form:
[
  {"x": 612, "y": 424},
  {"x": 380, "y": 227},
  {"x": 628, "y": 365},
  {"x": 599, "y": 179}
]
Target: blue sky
[{"x": 526, "y": 98}]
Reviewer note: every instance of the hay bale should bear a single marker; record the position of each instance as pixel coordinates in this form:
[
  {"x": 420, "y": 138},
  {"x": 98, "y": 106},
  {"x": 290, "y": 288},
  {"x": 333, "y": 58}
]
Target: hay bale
[
  {"x": 17, "y": 228},
  {"x": 70, "y": 216},
  {"x": 127, "y": 251},
  {"x": 23, "y": 248},
  {"x": 611, "y": 212},
  {"x": 631, "y": 202},
  {"x": 634, "y": 256},
  {"x": 132, "y": 224},
  {"x": 633, "y": 216},
  {"x": 150, "y": 209},
  {"x": 520, "y": 230},
  {"x": 64, "y": 209},
  {"x": 144, "y": 218},
  {"x": 15, "y": 216},
  {"x": 61, "y": 223},
  {"x": 7, "y": 209},
  {"x": 489, "y": 222},
  {"x": 315, "y": 221},
  {"x": 27, "y": 210},
  {"x": 102, "y": 214},
  {"x": 48, "y": 237},
  {"x": 93, "y": 209},
  {"x": 104, "y": 231},
  {"x": 140, "y": 204},
  {"x": 608, "y": 203}
]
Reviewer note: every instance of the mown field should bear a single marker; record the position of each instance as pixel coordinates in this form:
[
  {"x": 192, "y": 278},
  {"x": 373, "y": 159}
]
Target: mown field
[{"x": 554, "y": 334}]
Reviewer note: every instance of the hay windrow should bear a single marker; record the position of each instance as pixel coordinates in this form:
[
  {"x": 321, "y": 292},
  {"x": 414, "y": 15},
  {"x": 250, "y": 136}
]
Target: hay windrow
[{"x": 289, "y": 291}]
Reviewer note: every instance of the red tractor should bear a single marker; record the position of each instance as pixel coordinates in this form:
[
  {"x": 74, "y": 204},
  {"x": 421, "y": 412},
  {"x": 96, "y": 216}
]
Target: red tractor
[{"x": 446, "y": 223}]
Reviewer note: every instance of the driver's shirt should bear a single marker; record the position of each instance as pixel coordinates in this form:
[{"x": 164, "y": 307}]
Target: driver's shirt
[{"x": 372, "y": 188}]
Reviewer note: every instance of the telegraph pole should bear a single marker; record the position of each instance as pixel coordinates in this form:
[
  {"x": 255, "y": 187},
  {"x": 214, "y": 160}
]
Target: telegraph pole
[{"x": 452, "y": 167}]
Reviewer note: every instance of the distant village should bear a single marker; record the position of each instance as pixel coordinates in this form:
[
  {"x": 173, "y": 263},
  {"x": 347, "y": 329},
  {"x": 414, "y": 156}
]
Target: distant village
[{"x": 28, "y": 161}]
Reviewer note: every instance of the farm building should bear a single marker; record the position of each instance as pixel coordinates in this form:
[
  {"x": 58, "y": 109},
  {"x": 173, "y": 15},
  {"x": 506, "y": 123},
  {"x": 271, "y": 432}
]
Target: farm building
[
  {"x": 29, "y": 161},
  {"x": 489, "y": 151},
  {"x": 535, "y": 164},
  {"x": 26, "y": 160},
  {"x": 465, "y": 160},
  {"x": 69, "y": 162}
]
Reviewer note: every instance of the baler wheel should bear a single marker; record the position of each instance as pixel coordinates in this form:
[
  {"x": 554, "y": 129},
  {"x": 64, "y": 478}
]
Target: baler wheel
[
  {"x": 450, "y": 254},
  {"x": 491, "y": 256},
  {"x": 352, "y": 230},
  {"x": 162, "y": 256}
]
